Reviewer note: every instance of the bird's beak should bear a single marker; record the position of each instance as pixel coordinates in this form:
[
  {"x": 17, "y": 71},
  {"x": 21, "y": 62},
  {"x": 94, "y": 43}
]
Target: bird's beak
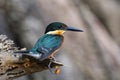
[{"x": 73, "y": 29}]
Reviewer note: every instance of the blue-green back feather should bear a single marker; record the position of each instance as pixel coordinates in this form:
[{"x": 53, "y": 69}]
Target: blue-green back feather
[{"x": 47, "y": 44}]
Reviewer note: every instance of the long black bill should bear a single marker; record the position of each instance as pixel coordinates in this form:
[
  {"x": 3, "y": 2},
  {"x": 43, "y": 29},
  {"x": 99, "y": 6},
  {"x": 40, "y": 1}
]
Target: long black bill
[{"x": 73, "y": 29}]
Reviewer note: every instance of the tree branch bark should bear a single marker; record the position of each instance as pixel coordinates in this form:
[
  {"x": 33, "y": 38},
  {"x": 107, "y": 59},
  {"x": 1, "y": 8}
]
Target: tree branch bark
[{"x": 13, "y": 65}]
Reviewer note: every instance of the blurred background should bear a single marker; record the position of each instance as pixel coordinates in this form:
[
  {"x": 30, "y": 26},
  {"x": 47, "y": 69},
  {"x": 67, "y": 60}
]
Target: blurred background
[{"x": 91, "y": 55}]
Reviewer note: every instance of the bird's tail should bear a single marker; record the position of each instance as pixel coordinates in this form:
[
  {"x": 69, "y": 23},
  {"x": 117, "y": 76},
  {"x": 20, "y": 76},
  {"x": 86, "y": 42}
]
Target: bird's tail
[
  {"x": 24, "y": 51},
  {"x": 28, "y": 53}
]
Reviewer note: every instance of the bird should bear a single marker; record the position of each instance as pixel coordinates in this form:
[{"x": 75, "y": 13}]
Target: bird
[{"x": 51, "y": 42}]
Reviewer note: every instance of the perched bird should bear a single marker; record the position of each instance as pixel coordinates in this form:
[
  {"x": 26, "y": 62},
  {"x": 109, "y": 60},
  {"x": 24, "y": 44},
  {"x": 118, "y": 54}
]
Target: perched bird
[{"x": 50, "y": 42}]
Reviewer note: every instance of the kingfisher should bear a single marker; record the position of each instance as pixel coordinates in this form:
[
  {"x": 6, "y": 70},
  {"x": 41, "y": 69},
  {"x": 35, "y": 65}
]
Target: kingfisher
[{"x": 50, "y": 43}]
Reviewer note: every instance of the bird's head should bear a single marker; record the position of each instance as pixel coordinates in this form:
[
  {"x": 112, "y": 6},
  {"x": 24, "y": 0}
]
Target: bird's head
[{"x": 59, "y": 28}]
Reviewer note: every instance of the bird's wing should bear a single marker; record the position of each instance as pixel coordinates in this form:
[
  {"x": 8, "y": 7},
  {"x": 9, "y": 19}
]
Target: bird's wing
[
  {"x": 44, "y": 51},
  {"x": 47, "y": 45}
]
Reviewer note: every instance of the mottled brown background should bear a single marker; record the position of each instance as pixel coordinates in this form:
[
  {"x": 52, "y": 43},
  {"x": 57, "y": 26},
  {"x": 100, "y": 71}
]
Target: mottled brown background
[{"x": 92, "y": 55}]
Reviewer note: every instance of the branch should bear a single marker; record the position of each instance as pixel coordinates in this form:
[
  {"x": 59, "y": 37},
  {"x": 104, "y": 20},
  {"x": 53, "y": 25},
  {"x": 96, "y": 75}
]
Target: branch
[{"x": 14, "y": 65}]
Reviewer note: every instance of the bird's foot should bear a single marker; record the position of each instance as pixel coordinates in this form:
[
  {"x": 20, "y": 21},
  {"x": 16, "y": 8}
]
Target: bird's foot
[
  {"x": 57, "y": 68},
  {"x": 52, "y": 59}
]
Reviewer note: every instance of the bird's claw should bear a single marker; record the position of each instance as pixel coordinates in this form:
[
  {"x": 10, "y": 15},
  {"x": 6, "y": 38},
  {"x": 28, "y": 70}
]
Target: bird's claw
[
  {"x": 52, "y": 59},
  {"x": 57, "y": 68}
]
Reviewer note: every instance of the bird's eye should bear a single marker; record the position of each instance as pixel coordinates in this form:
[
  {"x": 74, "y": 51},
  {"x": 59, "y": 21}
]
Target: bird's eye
[
  {"x": 59, "y": 27},
  {"x": 63, "y": 27}
]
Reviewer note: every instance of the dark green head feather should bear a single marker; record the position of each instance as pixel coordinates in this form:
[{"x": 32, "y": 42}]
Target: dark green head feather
[{"x": 55, "y": 26}]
